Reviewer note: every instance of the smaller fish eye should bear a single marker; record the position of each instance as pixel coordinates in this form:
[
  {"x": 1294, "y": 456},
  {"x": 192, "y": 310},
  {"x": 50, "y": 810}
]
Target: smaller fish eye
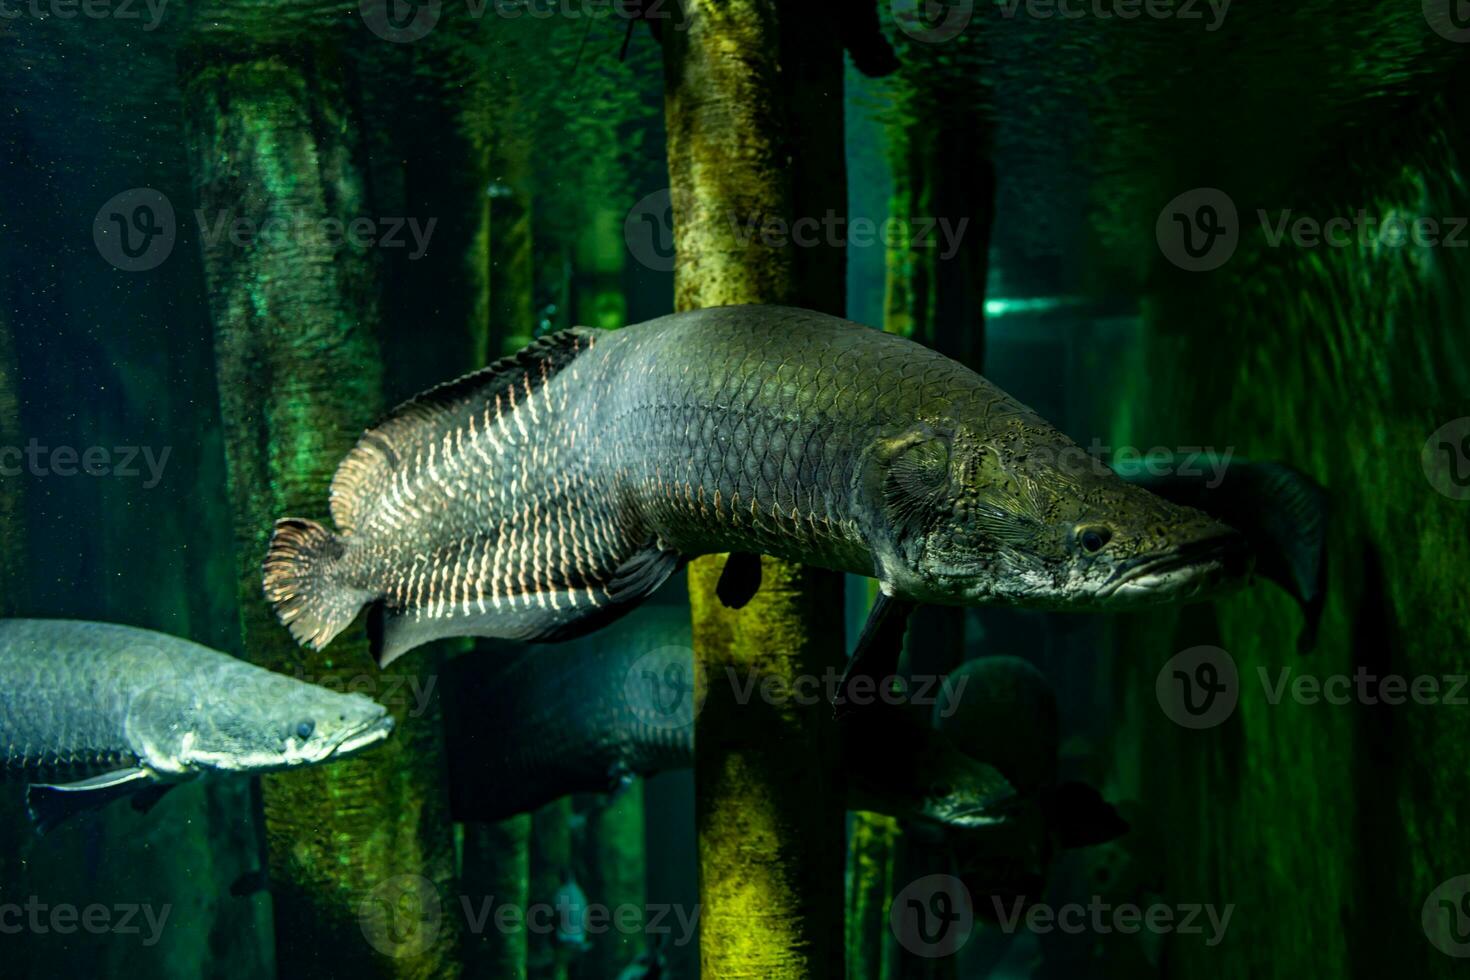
[
  {"x": 1094, "y": 539},
  {"x": 304, "y": 730}
]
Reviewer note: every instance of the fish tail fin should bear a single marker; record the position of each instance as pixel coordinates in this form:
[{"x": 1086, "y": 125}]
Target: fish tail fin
[{"x": 300, "y": 584}]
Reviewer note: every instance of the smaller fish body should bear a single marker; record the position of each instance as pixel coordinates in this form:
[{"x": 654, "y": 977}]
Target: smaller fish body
[
  {"x": 592, "y": 716},
  {"x": 93, "y": 712},
  {"x": 1007, "y": 710}
]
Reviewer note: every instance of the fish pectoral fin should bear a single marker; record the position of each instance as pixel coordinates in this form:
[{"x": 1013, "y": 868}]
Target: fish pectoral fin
[
  {"x": 876, "y": 655},
  {"x": 740, "y": 579},
  {"x": 51, "y": 804}
]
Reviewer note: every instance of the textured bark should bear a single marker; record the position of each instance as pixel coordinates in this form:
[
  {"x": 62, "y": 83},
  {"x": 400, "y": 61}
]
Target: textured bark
[
  {"x": 497, "y": 864},
  {"x": 512, "y": 247},
  {"x": 272, "y": 136},
  {"x": 871, "y": 846},
  {"x": 753, "y": 106}
]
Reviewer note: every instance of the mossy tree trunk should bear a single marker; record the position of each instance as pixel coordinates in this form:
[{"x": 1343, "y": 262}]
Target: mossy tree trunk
[
  {"x": 873, "y": 841},
  {"x": 754, "y": 114},
  {"x": 497, "y": 865},
  {"x": 273, "y": 138}
]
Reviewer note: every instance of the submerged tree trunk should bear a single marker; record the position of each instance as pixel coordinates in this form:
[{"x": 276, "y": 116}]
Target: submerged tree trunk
[
  {"x": 870, "y": 871},
  {"x": 551, "y": 864},
  {"x": 754, "y": 119},
  {"x": 360, "y": 851},
  {"x": 497, "y": 866}
]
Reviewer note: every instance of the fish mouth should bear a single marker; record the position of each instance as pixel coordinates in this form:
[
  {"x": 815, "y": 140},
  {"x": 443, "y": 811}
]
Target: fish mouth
[
  {"x": 365, "y": 736},
  {"x": 974, "y": 816},
  {"x": 1193, "y": 571}
]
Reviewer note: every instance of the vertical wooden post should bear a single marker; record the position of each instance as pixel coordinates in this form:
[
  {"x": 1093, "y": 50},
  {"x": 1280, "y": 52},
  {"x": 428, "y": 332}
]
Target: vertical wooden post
[
  {"x": 274, "y": 142},
  {"x": 754, "y": 113}
]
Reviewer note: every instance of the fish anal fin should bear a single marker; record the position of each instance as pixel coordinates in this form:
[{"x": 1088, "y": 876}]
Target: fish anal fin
[
  {"x": 366, "y": 469},
  {"x": 392, "y": 633},
  {"x": 51, "y": 804}
]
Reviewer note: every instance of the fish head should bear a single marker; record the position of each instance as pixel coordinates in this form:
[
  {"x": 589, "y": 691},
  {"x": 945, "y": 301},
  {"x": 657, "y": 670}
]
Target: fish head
[
  {"x": 957, "y": 790},
  {"x": 251, "y": 721},
  {"x": 1016, "y": 513}
]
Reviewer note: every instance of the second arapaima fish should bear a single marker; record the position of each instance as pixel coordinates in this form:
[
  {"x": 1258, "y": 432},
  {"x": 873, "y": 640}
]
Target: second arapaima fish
[{"x": 553, "y": 491}]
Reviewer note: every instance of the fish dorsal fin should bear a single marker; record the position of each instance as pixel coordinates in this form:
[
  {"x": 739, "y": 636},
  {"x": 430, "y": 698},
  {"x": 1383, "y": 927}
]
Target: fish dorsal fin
[{"x": 423, "y": 418}]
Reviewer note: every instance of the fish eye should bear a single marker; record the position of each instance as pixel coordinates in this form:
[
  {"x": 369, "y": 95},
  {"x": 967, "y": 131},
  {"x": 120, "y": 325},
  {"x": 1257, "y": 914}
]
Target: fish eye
[
  {"x": 940, "y": 789},
  {"x": 304, "y": 730},
  {"x": 1094, "y": 538}
]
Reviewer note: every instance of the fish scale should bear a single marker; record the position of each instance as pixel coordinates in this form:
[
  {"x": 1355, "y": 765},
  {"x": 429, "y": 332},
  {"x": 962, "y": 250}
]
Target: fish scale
[{"x": 62, "y": 709}]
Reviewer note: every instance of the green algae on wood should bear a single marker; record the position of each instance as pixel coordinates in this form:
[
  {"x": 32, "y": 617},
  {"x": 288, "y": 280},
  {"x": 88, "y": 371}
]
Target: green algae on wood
[
  {"x": 272, "y": 136},
  {"x": 753, "y": 110}
]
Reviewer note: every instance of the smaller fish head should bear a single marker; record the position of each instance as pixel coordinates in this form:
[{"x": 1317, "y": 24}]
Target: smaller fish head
[
  {"x": 1020, "y": 515},
  {"x": 252, "y": 723},
  {"x": 957, "y": 790}
]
